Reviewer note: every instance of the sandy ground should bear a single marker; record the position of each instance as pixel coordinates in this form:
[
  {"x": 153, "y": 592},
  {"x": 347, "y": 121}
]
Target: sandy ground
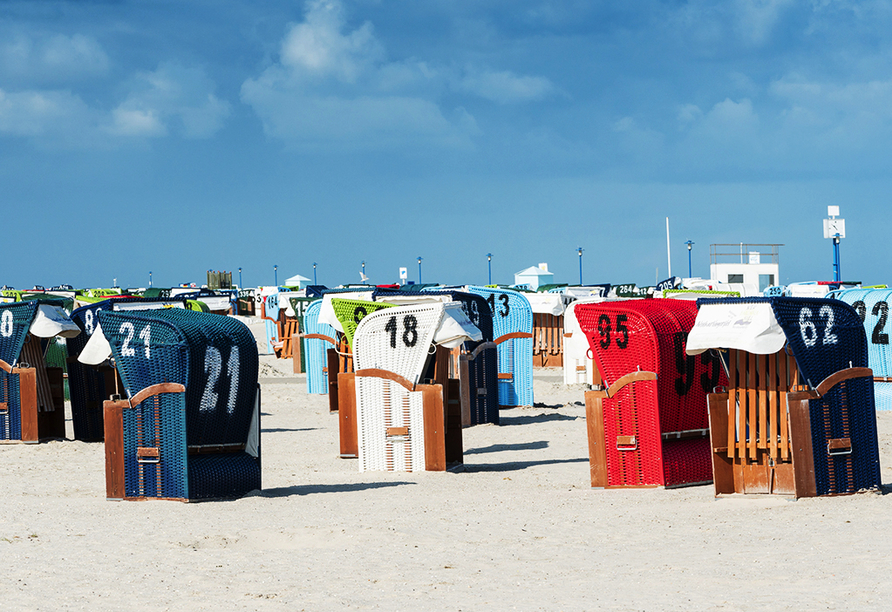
[{"x": 520, "y": 529}]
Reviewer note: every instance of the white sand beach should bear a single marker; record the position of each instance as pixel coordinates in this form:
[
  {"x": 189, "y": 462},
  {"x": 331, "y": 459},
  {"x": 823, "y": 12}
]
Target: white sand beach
[{"x": 518, "y": 529}]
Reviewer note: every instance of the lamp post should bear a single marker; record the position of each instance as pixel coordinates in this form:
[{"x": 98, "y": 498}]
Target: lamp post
[
  {"x": 240, "y": 277},
  {"x": 276, "y": 273},
  {"x": 690, "y": 243},
  {"x": 489, "y": 267},
  {"x": 419, "y": 270},
  {"x": 579, "y": 250},
  {"x": 363, "y": 273},
  {"x": 835, "y": 229},
  {"x": 150, "y": 278},
  {"x": 314, "y": 274}
]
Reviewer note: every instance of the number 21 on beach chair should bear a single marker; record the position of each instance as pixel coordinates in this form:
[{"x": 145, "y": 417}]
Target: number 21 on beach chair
[
  {"x": 647, "y": 425},
  {"x": 189, "y": 428},
  {"x": 798, "y": 415}
]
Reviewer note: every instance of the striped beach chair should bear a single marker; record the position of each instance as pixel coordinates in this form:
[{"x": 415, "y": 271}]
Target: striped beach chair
[{"x": 872, "y": 306}]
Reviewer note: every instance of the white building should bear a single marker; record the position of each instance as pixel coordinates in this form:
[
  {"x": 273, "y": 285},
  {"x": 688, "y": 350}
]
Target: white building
[
  {"x": 748, "y": 264},
  {"x": 534, "y": 276}
]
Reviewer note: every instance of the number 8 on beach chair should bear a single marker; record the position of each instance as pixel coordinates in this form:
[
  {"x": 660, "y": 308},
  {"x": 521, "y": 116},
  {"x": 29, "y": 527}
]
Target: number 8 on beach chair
[
  {"x": 798, "y": 415},
  {"x": 403, "y": 425},
  {"x": 190, "y": 428},
  {"x": 647, "y": 426},
  {"x": 32, "y": 402}
]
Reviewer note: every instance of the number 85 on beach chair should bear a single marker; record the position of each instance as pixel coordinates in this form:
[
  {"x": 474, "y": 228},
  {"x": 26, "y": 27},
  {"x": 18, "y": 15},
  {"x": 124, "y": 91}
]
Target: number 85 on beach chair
[
  {"x": 190, "y": 426},
  {"x": 798, "y": 415}
]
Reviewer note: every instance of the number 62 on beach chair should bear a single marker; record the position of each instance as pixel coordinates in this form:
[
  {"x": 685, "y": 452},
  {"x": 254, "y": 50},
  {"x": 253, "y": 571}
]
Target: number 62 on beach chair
[{"x": 798, "y": 416}]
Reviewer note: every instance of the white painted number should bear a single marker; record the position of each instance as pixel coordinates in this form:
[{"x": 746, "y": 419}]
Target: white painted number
[
  {"x": 6, "y": 324},
  {"x": 827, "y": 313},
  {"x": 213, "y": 366},
  {"x": 88, "y": 322},
  {"x": 145, "y": 335},
  {"x": 810, "y": 332},
  {"x": 127, "y": 350}
]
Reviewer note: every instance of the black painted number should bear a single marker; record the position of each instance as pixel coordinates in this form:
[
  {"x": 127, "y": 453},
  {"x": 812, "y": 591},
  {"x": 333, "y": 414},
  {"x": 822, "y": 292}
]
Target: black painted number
[
  {"x": 684, "y": 365},
  {"x": 410, "y": 330},
  {"x": 605, "y": 327},
  {"x": 503, "y": 298},
  {"x": 861, "y": 309},
  {"x": 359, "y": 314},
  {"x": 878, "y": 336}
]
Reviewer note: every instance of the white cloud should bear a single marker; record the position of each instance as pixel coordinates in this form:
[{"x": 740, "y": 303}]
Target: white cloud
[
  {"x": 173, "y": 96},
  {"x": 333, "y": 86},
  {"x": 57, "y": 57},
  {"x": 505, "y": 87},
  {"x": 38, "y": 113},
  {"x": 756, "y": 19}
]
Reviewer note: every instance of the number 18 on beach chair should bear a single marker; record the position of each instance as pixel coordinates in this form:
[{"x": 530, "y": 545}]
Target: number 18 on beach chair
[
  {"x": 403, "y": 425},
  {"x": 189, "y": 428},
  {"x": 647, "y": 425},
  {"x": 798, "y": 416}
]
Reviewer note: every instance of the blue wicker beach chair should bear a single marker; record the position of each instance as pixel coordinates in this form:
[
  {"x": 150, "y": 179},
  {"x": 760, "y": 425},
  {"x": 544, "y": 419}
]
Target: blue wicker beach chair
[
  {"x": 513, "y": 330},
  {"x": 317, "y": 339},
  {"x": 872, "y": 306},
  {"x": 190, "y": 428},
  {"x": 798, "y": 416},
  {"x": 91, "y": 385},
  {"x": 32, "y": 398}
]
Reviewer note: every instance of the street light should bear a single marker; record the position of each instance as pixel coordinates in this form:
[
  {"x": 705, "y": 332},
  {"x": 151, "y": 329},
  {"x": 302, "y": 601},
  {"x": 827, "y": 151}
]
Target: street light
[
  {"x": 690, "y": 243},
  {"x": 239, "y": 278},
  {"x": 835, "y": 228},
  {"x": 276, "y": 272},
  {"x": 419, "y": 270},
  {"x": 579, "y": 250},
  {"x": 314, "y": 274},
  {"x": 362, "y": 274},
  {"x": 489, "y": 266},
  {"x": 150, "y": 278}
]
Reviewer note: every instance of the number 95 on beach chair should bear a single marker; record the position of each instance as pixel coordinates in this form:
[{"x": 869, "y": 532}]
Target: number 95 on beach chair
[
  {"x": 798, "y": 415},
  {"x": 32, "y": 401},
  {"x": 647, "y": 425},
  {"x": 190, "y": 426}
]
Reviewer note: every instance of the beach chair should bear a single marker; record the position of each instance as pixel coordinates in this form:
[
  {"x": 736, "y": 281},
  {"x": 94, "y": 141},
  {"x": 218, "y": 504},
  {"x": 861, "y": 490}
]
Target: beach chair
[
  {"x": 299, "y": 305},
  {"x": 91, "y": 385},
  {"x": 32, "y": 397},
  {"x": 403, "y": 423},
  {"x": 189, "y": 428},
  {"x": 317, "y": 338},
  {"x": 578, "y": 366},
  {"x": 797, "y": 417},
  {"x": 872, "y": 306},
  {"x": 512, "y": 318},
  {"x": 647, "y": 425},
  {"x": 548, "y": 327}
]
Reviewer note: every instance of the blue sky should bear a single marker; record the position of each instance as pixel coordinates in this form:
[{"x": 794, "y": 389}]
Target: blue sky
[{"x": 180, "y": 137}]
